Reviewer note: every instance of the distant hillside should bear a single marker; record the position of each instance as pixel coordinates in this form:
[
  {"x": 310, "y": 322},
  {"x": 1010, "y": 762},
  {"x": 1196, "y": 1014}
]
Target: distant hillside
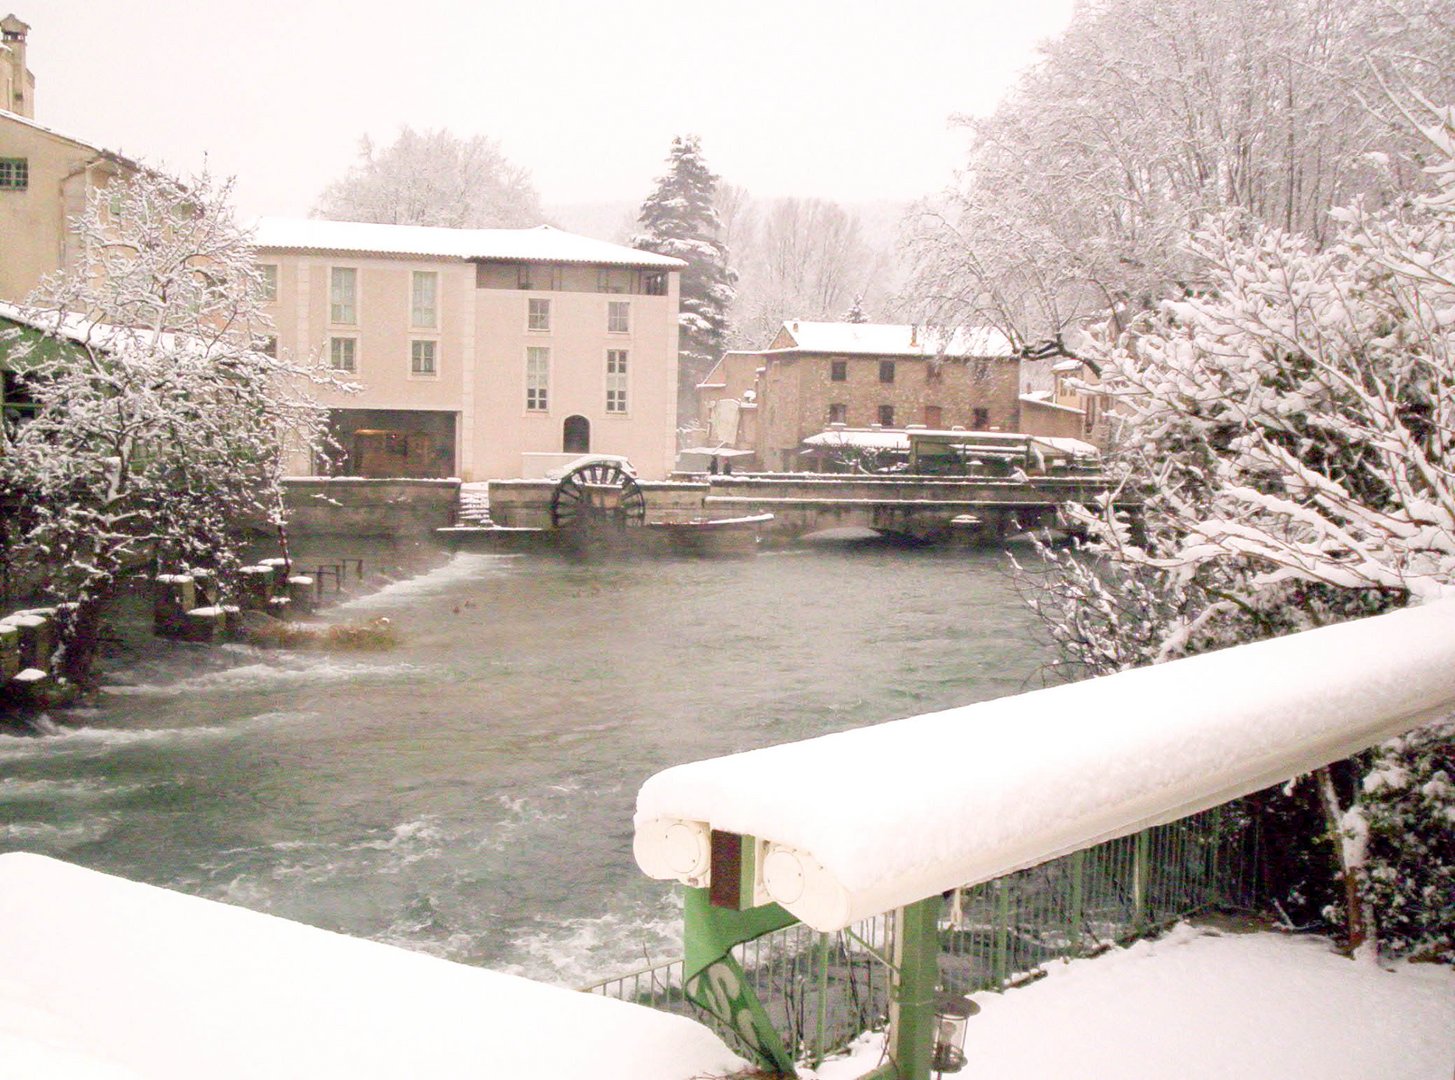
[{"x": 617, "y": 221}]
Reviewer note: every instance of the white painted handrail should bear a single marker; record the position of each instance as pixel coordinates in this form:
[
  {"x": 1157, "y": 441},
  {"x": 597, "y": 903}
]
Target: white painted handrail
[{"x": 856, "y": 823}]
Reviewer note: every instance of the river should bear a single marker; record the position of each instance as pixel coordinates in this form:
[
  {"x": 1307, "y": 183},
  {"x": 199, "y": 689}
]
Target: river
[{"x": 470, "y": 793}]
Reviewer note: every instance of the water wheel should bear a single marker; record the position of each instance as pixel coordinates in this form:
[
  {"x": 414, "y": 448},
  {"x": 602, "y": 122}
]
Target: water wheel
[{"x": 596, "y": 495}]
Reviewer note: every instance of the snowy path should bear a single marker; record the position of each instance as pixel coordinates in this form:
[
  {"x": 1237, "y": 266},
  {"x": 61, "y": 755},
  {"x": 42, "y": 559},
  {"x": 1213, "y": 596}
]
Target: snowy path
[{"x": 1197, "y": 1005}]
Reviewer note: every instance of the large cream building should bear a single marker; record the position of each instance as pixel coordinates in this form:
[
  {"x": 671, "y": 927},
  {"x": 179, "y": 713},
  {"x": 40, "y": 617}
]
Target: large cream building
[{"x": 479, "y": 353}]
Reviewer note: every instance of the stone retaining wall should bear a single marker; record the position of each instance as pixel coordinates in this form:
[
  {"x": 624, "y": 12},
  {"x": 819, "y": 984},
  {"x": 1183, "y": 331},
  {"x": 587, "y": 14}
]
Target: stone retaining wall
[{"x": 355, "y": 507}]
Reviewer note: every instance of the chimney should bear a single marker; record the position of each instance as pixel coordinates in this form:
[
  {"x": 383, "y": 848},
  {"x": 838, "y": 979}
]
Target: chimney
[
  {"x": 914, "y": 335},
  {"x": 17, "y": 79}
]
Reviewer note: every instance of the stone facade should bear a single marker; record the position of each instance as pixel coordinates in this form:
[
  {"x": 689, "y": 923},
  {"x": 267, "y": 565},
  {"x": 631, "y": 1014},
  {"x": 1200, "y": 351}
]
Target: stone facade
[
  {"x": 880, "y": 375},
  {"x": 45, "y": 178},
  {"x": 17, "y": 84}
]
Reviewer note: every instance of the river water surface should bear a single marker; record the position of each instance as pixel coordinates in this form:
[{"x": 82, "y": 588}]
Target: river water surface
[{"x": 470, "y": 793}]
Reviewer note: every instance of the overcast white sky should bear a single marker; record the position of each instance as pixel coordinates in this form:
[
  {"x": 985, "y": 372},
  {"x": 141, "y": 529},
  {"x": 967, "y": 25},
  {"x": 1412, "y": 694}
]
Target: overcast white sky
[{"x": 847, "y": 100}]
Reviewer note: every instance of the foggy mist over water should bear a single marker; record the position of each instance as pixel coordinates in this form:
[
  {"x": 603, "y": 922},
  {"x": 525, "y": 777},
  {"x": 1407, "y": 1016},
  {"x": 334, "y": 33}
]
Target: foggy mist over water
[{"x": 471, "y": 792}]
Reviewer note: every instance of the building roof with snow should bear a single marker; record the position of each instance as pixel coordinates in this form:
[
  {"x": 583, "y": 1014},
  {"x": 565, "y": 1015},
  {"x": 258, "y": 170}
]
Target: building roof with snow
[
  {"x": 543, "y": 243},
  {"x": 84, "y": 144},
  {"x": 890, "y": 339},
  {"x": 79, "y": 330}
]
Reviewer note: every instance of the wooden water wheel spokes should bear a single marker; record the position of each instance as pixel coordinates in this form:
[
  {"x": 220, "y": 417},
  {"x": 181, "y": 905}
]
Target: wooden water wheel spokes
[{"x": 597, "y": 494}]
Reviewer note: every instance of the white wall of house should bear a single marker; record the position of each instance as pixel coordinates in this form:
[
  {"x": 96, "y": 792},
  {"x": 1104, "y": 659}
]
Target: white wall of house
[{"x": 482, "y": 332}]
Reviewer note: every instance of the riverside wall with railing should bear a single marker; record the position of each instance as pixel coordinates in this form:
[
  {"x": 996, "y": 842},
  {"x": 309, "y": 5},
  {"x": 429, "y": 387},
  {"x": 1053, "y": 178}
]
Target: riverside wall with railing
[{"x": 822, "y": 990}]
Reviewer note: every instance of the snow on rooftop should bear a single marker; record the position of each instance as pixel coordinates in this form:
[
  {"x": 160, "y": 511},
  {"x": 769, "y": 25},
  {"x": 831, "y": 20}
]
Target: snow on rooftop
[
  {"x": 896, "y": 339},
  {"x": 863, "y": 821},
  {"x": 1071, "y": 447},
  {"x": 1041, "y": 399},
  {"x": 1202, "y": 1005},
  {"x": 101, "y": 977},
  {"x": 540, "y": 244},
  {"x": 85, "y": 144},
  {"x": 70, "y": 326},
  {"x": 860, "y": 438}
]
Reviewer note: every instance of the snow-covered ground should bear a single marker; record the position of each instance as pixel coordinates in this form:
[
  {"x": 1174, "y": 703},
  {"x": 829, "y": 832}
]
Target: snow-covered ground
[
  {"x": 1199, "y": 1005},
  {"x": 106, "y": 978}
]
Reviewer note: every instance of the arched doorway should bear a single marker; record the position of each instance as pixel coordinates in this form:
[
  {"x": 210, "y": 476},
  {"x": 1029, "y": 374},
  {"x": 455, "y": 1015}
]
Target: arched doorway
[{"x": 576, "y": 435}]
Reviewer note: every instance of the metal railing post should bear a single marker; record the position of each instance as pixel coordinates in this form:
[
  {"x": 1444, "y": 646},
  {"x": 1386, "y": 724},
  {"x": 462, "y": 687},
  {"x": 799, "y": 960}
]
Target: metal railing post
[
  {"x": 912, "y": 1016},
  {"x": 820, "y": 1041},
  {"x": 1000, "y": 966},
  {"x": 1139, "y": 882},
  {"x": 1078, "y": 873}
]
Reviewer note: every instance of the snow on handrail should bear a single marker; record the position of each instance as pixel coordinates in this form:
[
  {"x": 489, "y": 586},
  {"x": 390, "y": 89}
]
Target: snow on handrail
[{"x": 856, "y": 823}]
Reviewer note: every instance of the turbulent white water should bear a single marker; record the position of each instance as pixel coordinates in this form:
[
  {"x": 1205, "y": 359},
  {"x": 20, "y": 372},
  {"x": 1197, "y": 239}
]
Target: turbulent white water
[{"x": 469, "y": 794}]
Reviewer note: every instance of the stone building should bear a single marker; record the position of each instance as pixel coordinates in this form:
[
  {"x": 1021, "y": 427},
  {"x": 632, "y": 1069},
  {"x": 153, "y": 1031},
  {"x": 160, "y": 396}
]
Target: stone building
[
  {"x": 814, "y": 376},
  {"x": 479, "y": 353},
  {"x": 45, "y": 176},
  {"x": 17, "y": 83}
]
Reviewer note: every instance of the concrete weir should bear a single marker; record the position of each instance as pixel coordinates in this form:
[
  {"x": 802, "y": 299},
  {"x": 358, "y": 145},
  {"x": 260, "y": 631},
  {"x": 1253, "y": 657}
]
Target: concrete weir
[
  {"x": 926, "y": 508},
  {"x": 929, "y": 508}
]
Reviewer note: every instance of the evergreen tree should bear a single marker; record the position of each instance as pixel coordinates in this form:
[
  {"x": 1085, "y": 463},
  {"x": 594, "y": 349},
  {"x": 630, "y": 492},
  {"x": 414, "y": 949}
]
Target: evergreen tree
[
  {"x": 679, "y": 219},
  {"x": 856, "y": 314}
]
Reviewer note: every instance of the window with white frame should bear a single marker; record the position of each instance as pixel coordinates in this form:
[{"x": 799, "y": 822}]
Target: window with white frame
[
  {"x": 616, "y": 380},
  {"x": 343, "y": 291},
  {"x": 424, "y": 300},
  {"x": 268, "y": 282},
  {"x": 619, "y": 316},
  {"x": 538, "y": 315},
  {"x": 343, "y": 353},
  {"x": 422, "y": 357},
  {"x": 537, "y": 378}
]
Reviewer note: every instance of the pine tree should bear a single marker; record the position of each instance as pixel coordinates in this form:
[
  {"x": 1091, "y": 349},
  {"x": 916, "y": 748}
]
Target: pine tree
[
  {"x": 856, "y": 314},
  {"x": 679, "y": 219}
]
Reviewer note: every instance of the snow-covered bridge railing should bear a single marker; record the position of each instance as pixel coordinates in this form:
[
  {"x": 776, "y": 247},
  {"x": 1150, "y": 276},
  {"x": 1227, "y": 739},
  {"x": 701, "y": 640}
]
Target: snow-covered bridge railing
[
  {"x": 811, "y": 829},
  {"x": 821, "y": 991}
]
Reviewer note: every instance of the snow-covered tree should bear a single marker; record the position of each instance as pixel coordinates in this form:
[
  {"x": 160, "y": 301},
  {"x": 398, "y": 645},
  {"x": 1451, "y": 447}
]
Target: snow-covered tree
[
  {"x": 806, "y": 259},
  {"x": 679, "y": 218},
  {"x": 433, "y": 178},
  {"x": 160, "y": 427},
  {"x": 1292, "y": 427},
  {"x": 1148, "y": 118}
]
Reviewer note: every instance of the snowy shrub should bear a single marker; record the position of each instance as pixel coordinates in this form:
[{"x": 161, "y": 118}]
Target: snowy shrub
[{"x": 1408, "y": 801}]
